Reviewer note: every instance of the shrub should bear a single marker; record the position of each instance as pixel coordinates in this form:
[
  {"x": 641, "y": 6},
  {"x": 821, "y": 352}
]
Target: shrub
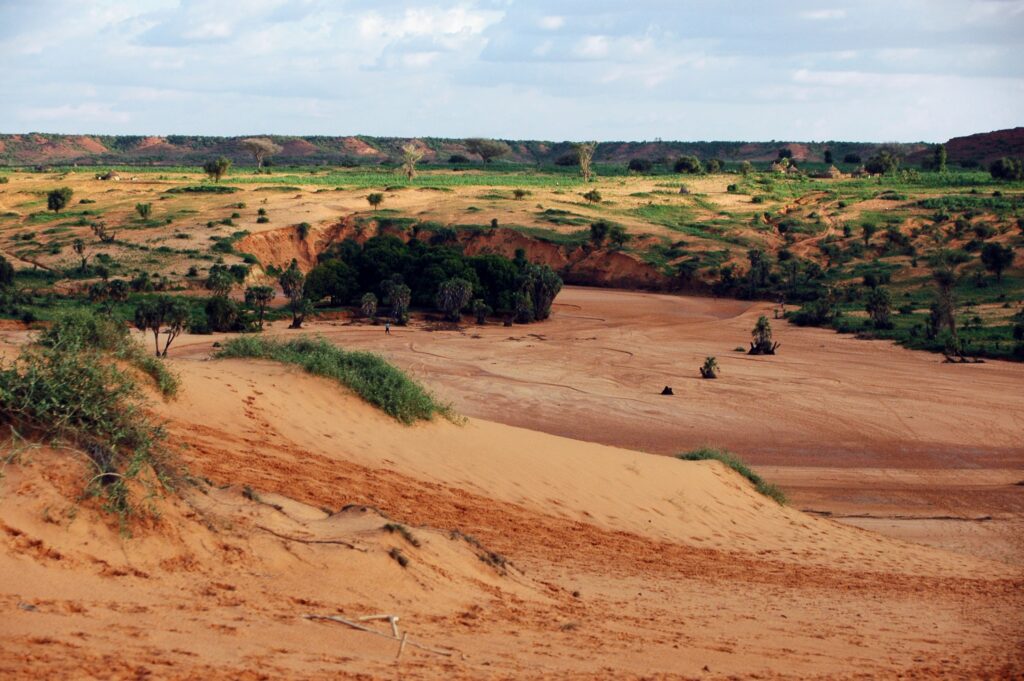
[
  {"x": 375, "y": 199},
  {"x": 144, "y": 210},
  {"x": 593, "y": 196},
  {"x": 57, "y": 199},
  {"x": 640, "y": 165},
  {"x": 688, "y": 164},
  {"x": 71, "y": 387},
  {"x": 1007, "y": 169},
  {"x": 710, "y": 368},
  {"x": 217, "y": 168},
  {"x": 733, "y": 462},
  {"x": 369, "y": 376}
]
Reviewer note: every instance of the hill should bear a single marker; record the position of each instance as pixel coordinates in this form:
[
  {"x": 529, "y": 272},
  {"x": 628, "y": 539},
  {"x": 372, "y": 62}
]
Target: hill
[{"x": 45, "y": 149}]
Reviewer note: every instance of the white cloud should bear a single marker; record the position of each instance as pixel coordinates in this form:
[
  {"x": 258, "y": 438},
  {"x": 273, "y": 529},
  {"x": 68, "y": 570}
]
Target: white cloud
[
  {"x": 823, "y": 14},
  {"x": 592, "y": 47},
  {"x": 90, "y": 112},
  {"x": 551, "y": 23}
]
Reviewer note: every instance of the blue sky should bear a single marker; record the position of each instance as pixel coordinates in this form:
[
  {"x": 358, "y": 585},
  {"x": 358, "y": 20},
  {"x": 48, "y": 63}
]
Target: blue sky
[{"x": 893, "y": 70}]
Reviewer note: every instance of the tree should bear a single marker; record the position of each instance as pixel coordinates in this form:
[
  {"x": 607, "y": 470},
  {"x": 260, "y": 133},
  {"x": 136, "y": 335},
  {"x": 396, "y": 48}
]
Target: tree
[
  {"x": 411, "y": 155},
  {"x": 585, "y": 155},
  {"x": 153, "y": 314},
  {"x": 144, "y": 210},
  {"x": 481, "y": 310},
  {"x": 828, "y": 156},
  {"x": 1007, "y": 169},
  {"x": 599, "y": 232},
  {"x": 710, "y": 368},
  {"x": 220, "y": 281},
  {"x": 399, "y": 296},
  {"x": 882, "y": 163},
  {"x": 57, "y": 199},
  {"x": 939, "y": 158},
  {"x": 117, "y": 290},
  {"x": 785, "y": 152},
  {"x": 375, "y": 199},
  {"x": 996, "y": 258},
  {"x": 258, "y": 298},
  {"x": 292, "y": 282},
  {"x": 217, "y": 168},
  {"x": 640, "y": 165},
  {"x": 223, "y": 314},
  {"x": 762, "y": 335},
  {"x": 487, "y": 149},
  {"x": 867, "y": 231},
  {"x": 541, "y": 285},
  {"x": 302, "y": 229},
  {"x": 79, "y": 247},
  {"x": 260, "y": 148},
  {"x": 944, "y": 307},
  {"x": 713, "y": 165},
  {"x": 851, "y": 158},
  {"x": 879, "y": 307},
  {"x": 520, "y": 194},
  {"x": 368, "y": 305},
  {"x": 333, "y": 278},
  {"x": 746, "y": 167},
  {"x": 6, "y": 273},
  {"x": 593, "y": 196},
  {"x": 688, "y": 164},
  {"x": 453, "y": 296}
]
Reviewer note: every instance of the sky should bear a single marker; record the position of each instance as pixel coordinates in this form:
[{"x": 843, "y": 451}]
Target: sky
[{"x": 859, "y": 70}]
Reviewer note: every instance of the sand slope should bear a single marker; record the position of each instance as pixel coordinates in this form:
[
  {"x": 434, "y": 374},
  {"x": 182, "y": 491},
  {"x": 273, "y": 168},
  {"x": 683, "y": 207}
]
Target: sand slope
[{"x": 623, "y": 565}]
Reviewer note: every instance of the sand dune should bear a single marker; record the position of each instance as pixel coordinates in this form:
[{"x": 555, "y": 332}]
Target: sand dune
[{"x": 622, "y": 565}]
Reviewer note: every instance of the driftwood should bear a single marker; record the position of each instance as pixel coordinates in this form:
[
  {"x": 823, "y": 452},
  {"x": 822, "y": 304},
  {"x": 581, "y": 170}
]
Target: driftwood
[
  {"x": 763, "y": 348},
  {"x": 403, "y": 641}
]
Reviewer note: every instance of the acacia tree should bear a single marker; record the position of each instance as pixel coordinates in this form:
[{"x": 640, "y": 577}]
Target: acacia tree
[
  {"x": 293, "y": 282},
  {"x": 153, "y": 314},
  {"x": 996, "y": 258},
  {"x": 258, "y": 298},
  {"x": 411, "y": 155},
  {"x": 452, "y": 296},
  {"x": 57, "y": 199},
  {"x": 585, "y": 154},
  {"x": 487, "y": 149},
  {"x": 217, "y": 168},
  {"x": 260, "y": 148},
  {"x": 375, "y": 199}
]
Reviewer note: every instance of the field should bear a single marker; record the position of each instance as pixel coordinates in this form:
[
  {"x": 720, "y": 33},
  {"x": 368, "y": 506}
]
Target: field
[{"x": 530, "y": 517}]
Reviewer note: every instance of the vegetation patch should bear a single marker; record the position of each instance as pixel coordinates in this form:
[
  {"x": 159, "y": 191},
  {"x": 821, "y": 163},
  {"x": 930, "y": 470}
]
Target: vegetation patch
[
  {"x": 76, "y": 386},
  {"x": 204, "y": 189},
  {"x": 733, "y": 462},
  {"x": 368, "y": 375}
]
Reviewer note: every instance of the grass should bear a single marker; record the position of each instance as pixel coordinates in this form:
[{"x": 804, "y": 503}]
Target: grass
[
  {"x": 733, "y": 462},
  {"x": 204, "y": 189},
  {"x": 368, "y": 375},
  {"x": 73, "y": 388}
]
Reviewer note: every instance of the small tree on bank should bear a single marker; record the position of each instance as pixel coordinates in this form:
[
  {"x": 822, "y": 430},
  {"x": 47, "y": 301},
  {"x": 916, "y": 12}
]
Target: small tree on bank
[
  {"x": 879, "y": 307},
  {"x": 292, "y": 282},
  {"x": 375, "y": 199},
  {"x": 996, "y": 258},
  {"x": 368, "y": 305},
  {"x": 153, "y": 314},
  {"x": 710, "y": 368},
  {"x": 453, "y": 296},
  {"x": 411, "y": 155}
]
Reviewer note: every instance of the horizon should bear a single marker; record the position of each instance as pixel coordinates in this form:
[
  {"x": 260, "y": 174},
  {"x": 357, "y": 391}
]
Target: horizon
[{"x": 516, "y": 70}]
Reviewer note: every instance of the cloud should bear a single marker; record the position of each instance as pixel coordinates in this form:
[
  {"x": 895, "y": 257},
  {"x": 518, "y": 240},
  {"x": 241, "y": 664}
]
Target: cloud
[
  {"x": 727, "y": 69},
  {"x": 823, "y": 14}
]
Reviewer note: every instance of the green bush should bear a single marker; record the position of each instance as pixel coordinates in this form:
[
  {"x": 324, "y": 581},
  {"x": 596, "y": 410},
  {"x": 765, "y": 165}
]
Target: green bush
[
  {"x": 730, "y": 460},
  {"x": 368, "y": 375}
]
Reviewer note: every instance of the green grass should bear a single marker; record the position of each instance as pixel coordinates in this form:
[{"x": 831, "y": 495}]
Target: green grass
[
  {"x": 368, "y": 375},
  {"x": 204, "y": 189},
  {"x": 733, "y": 462}
]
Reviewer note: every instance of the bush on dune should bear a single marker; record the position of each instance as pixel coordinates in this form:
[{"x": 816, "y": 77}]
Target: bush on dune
[
  {"x": 368, "y": 375},
  {"x": 72, "y": 388},
  {"x": 733, "y": 462}
]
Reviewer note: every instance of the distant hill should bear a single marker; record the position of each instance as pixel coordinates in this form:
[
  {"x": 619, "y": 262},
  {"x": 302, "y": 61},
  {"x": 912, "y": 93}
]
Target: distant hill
[
  {"x": 33, "y": 149},
  {"x": 987, "y": 146}
]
